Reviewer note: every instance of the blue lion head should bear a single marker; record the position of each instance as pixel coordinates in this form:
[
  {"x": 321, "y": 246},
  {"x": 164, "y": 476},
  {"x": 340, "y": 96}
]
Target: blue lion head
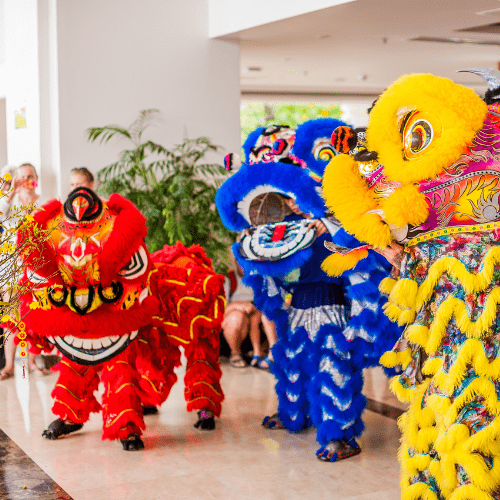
[{"x": 284, "y": 167}]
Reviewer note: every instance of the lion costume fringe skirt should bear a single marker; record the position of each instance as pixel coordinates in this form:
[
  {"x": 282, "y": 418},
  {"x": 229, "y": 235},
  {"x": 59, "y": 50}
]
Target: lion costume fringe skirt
[{"x": 448, "y": 296}]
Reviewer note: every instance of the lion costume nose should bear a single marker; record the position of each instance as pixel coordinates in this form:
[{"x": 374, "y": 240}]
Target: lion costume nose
[{"x": 80, "y": 205}]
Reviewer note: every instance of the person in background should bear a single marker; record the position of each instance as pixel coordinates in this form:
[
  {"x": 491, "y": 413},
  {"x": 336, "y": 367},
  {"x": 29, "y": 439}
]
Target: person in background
[
  {"x": 242, "y": 318},
  {"x": 81, "y": 177},
  {"x": 19, "y": 192}
]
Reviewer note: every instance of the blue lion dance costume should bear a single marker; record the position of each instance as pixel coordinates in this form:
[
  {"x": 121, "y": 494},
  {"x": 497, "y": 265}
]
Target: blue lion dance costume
[{"x": 334, "y": 327}]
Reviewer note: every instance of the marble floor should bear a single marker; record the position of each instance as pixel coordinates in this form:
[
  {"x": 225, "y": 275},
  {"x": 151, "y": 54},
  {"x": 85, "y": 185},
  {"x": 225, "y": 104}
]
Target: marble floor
[{"x": 239, "y": 460}]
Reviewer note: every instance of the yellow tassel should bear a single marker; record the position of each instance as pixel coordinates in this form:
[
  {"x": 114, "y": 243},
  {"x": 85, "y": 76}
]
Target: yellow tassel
[
  {"x": 404, "y": 394},
  {"x": 406, "y": 317},
  {"x": 336, "y": 264},
  {"x": 432, "y": 365},
  {"x": 469, "y": 492},
  {"x": 404, "y": 294},
  {"x": 392, "y": 311},
  {"x": 386, "y": 285},
  {"x": 418, "y": 491},
  {"x": 390, "y": 359},
  {"x": 417, "y": 463},
  {"x": 418, "y": 334}
]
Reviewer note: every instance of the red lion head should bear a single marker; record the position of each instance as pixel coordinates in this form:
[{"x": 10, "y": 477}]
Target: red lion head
[{"x": 91, "y": 296}]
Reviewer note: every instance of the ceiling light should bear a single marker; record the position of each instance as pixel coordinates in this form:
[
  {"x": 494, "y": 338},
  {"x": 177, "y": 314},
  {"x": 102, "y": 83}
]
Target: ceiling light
[
  {"x": 454, "y": 40},
  {"x": 490, "y": 12}
]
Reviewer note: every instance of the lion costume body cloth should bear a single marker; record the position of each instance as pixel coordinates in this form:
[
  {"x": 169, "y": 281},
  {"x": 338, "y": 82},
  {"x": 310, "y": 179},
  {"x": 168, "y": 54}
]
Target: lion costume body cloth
[
  {"x": 118, "y": 315},
  {"x": 333, "y": 327},
  {"x": 435, "y": 188}
]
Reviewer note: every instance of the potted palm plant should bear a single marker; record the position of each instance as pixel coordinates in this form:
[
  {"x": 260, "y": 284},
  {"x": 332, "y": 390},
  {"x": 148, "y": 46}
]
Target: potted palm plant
[{"x": 174, "y": 188}]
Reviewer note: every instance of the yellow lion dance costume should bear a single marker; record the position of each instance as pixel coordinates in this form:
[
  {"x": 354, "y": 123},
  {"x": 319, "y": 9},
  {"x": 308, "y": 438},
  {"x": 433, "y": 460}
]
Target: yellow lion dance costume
[{"x": 427, "y": 175}]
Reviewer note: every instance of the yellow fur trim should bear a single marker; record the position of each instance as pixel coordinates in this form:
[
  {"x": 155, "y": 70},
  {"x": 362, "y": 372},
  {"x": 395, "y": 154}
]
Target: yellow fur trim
[
  {"x": 406, "y": 317},
  {"x": 347, "y": 195},
  {"x": 454, "y": 112},
  {"x": 432, "y": 365},
  {"x": 418, "y": 491},
  {"x": 455, "y": 307},
  {"x": 469, "y": 492},
  {"x": 390, "y": 359},
  {"x": 417, "y": 463},
  {"x": 449, "y": 411},
  {"x": 405, "y": 206},
  {"x": 386, "y": 285},
  {"x": 404, "y": 394},
  {"x": 404, "y": 293},
  {"x": 453, "y": 267},
  {"x": 471, "y": 354},
  {"x": 336, "y": 264},
  {"x": 418, "y": 334},
  {"x": 392, "y": 311}
]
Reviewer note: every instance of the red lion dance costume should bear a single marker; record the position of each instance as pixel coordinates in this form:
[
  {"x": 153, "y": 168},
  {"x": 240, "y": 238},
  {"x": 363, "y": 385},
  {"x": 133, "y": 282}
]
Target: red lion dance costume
[{"x": 119, "y": 315}]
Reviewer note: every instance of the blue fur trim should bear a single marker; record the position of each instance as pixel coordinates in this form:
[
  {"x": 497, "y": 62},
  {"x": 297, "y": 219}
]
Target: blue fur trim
[
  {"x": 307, "y": 134},
  {"x": 278, "y": 177},
  {"x": 250, "y": 141},
  {"x": 290, "y": 357}
]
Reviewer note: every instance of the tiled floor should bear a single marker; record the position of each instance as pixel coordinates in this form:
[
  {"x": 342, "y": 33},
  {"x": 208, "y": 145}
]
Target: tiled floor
[{"x": 239, "y": 460}]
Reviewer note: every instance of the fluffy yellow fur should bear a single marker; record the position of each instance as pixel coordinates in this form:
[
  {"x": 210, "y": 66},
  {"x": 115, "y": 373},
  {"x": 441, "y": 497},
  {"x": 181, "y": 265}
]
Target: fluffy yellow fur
[
  {"x": 347, "y": 195},
  {"x": 418, "y": 491},
  {"x": 386, "y": 285},
  {"x": 405, "y": 206},
  {"x": 455, "y": 307},
  {"x": 404, "y": 394},
  {"x": 418, "y": 334},
  {"x": 404, "y": 293},
  {"x": 452, "y": 441},
  {"x": 336, "y": 264},
  {"x": 393, "y": 312},
  {"x": 457, "y": 114},
  {"x": 451, "y": 266},
  {"x": 390, "y": 359},
  {"x": 469, "y": 492},
  {"x": 471, "y": 354}
]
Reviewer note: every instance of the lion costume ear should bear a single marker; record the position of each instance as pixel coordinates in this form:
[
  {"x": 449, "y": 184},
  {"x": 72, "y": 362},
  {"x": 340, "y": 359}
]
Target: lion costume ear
[{"x": 129, "y": 230}]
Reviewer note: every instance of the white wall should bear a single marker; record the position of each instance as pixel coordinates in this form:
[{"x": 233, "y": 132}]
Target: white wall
[
  {"x": 21, "y": 80},
  {"x": 118, "y": 57},
  {"x": 229, "y": 16}
]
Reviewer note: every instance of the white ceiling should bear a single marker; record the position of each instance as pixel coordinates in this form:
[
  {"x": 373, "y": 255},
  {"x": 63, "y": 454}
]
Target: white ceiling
[{"x": 362, "y": 46}]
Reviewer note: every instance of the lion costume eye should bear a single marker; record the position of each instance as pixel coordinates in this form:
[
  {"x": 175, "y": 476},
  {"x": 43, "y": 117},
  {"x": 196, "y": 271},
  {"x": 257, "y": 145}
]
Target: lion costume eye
[
  {"x": 137, "y": 266},
  {"x": 417, "y": 134},
  {"x": 323, "y": 149}
]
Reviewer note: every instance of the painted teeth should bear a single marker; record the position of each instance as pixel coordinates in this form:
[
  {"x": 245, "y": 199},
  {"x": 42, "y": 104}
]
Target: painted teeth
[
  {"x": 114, "y": 338},
  {"x": 96, "y": 343},
  {"x": 106, "y": 342},
  {"x": 134, "y": 334},
  {"x": 69, "y": 339},
  {"x": 87, "y": 344},
  {"x": 77, "y": 342}
]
